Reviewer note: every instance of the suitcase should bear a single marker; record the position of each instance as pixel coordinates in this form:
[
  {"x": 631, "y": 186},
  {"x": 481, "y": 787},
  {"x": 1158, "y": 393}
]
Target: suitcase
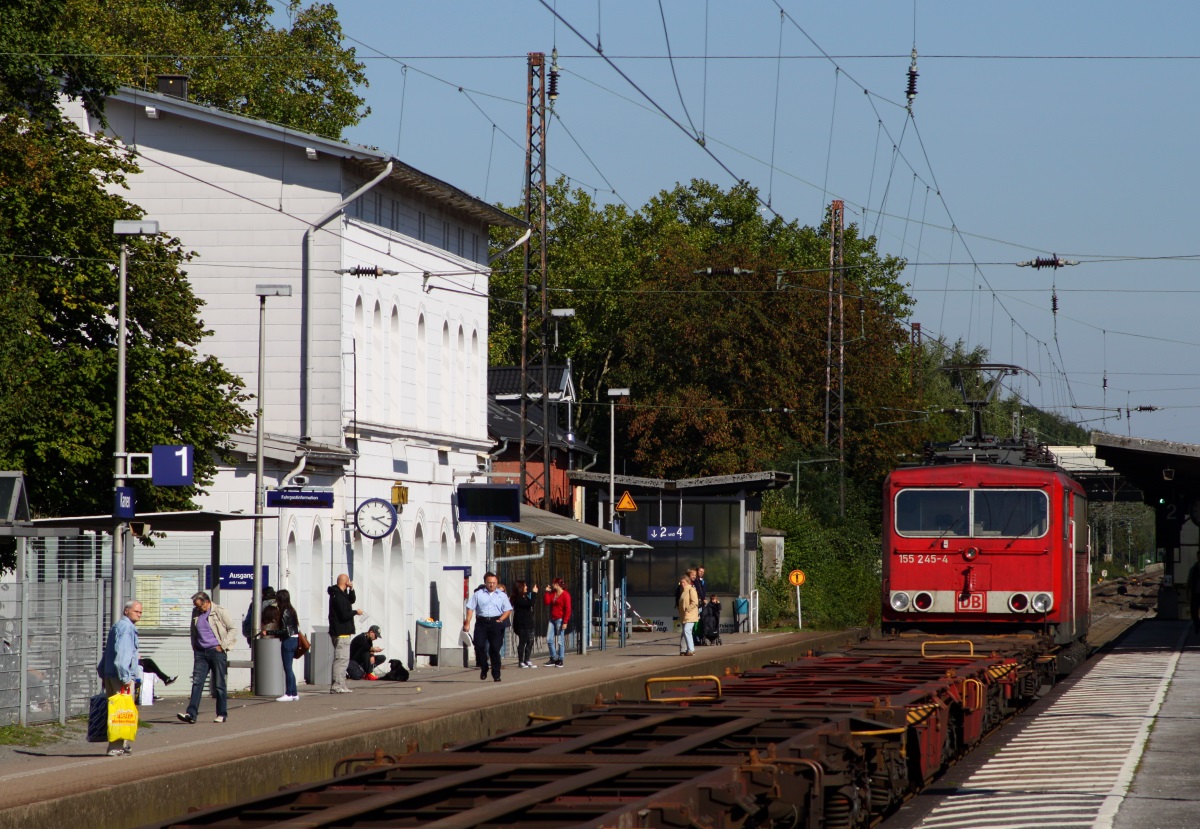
[{"x": 97, "y": 731}]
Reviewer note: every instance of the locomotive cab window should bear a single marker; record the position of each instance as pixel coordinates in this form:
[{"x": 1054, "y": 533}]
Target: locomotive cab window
[
  {"x": 1011, "y": 513},
  {"x": 933, "y": 512},
  {"x": 995, "y": 513}
]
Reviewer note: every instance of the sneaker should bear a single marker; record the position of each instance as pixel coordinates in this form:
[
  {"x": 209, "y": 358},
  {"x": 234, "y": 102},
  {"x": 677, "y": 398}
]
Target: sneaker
[
  {"x": 285, "y": 698},
  {"x": 559, "y": 664},
  {"x": 168, "y": 680},
  {"x": 551, "y": 661},
  {"x": 219, "y": 718},
  {"x": 496, "y": 679},
  {"x": 340, "y": 691},
  {"x": 187, "y": 718},
  {"x": 116, "y": 752},
  {"x": 128, "y": 749}
]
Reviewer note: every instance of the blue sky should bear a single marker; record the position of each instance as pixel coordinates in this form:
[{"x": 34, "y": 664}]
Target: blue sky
[{"x": 1061, "y": 127}]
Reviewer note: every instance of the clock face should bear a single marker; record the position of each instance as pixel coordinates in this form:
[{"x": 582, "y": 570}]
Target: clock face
[{"x": 375, "y": 518}]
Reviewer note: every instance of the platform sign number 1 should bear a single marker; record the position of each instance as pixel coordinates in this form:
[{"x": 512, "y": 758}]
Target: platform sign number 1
[
  {"x": 172, "y": 465},
  {"x": 796, "y": 577}
]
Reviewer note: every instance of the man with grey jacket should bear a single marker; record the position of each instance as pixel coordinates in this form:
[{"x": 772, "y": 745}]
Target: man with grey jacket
[{"x": 214, "y": 634}]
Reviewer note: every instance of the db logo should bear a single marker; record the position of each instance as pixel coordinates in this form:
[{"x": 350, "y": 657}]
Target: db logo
[{"x": 971, "y": 603}]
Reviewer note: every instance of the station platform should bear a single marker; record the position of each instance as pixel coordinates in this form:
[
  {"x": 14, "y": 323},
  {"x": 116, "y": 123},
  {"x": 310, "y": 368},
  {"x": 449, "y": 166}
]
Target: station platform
[
  {"x": 266, "y": 744},
  {"x": 1115, "y": 746}
]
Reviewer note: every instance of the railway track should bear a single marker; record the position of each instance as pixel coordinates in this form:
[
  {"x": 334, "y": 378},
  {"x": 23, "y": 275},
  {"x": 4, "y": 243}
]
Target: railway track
[{"x": 835, "y": 741}]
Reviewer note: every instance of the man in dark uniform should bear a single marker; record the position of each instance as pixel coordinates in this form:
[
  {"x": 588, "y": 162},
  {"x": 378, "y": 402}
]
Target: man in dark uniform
[{"x": 490, "y": 608}]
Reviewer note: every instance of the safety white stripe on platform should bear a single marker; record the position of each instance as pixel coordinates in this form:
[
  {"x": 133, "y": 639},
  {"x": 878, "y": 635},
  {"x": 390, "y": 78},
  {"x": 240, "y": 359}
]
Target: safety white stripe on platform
[{"x": 1073, "y": 764}]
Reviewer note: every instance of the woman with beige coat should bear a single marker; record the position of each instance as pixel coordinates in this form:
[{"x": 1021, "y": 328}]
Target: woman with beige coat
[{"x": 689, "y": 614}]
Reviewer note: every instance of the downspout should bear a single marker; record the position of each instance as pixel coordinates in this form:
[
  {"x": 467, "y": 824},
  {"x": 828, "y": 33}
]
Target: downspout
[
  {"x": 306, "y": 426},
  {"x": 512, "y": 247},
  {"x": 541, "y": 542},
  {"x": 299, "y": 468}
]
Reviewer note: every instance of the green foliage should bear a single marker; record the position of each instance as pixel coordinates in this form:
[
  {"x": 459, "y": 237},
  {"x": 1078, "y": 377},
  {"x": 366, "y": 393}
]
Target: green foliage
[
  {"x": 58, "y": 289},
  {"x": 840, "y": 559},
  {"x": 39, "y": 54},
  {"x": 299, "y": 76}
]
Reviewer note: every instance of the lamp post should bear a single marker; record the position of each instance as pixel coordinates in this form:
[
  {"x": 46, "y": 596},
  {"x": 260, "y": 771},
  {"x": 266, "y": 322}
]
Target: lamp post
[
  {"x": 262, "y": 292},
  {"x": 612, "y": 455},
  {"x": 122, "y": 229}
]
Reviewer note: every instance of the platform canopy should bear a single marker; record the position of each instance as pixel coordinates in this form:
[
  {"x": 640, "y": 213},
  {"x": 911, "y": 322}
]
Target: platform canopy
[
  {"x": 539, "y": 525},
  {"x": 1159, "y": 468}
]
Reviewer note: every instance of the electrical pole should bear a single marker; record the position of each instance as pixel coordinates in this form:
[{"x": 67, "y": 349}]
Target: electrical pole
[
  {"x": 535, "y": 216},
  {"x": 836, "y": 257}
]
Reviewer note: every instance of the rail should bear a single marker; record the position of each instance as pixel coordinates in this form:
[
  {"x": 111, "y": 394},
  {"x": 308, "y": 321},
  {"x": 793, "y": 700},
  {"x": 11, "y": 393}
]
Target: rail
[{"x": 662, "y": 680}]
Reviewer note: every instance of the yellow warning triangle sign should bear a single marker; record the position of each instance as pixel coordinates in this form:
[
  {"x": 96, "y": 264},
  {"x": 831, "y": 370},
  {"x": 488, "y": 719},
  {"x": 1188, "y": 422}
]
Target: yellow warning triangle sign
[{"x": 625, "y": 503}]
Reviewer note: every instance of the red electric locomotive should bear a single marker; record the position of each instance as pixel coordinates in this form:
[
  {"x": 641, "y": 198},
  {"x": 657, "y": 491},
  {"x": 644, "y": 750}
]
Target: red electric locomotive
[{"x": 990, "y": 535}]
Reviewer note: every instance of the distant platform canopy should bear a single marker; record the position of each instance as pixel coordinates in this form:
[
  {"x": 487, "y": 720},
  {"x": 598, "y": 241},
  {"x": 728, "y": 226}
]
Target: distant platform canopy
[{"x": 1160, "y": 469}]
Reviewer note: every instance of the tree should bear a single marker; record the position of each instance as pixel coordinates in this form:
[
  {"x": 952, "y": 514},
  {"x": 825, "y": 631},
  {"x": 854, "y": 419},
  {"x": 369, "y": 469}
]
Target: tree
[
  {"x": 299, "y": 76},
  {"x": 58, "y": 300},
  {"x": 591, "y": 269},
  {"x": 727, "y": 343}
]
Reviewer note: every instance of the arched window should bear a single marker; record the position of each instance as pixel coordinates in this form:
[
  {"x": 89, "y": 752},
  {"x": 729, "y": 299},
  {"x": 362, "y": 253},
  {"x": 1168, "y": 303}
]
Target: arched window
[
  {"x": 377, "y": 374},
  {"x": 461, "y": 384},
  {"x": 445, "y": 422},
  {"x": 421, "y": 376},
  {"x": 393, "y": 373},
  {"x": 475, "y": 417},
  {"x": 358, "y": 385}
]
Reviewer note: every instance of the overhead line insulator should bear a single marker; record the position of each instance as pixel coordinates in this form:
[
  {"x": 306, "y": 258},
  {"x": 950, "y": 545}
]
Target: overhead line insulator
[{"x": 911, "y": 92}]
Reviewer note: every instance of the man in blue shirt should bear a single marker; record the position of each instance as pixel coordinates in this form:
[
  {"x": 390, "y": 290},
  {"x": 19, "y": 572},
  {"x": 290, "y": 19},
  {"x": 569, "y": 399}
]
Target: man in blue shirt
[
  {"x": 490, "y": 609},
  {"x": 119, "y": 667}
]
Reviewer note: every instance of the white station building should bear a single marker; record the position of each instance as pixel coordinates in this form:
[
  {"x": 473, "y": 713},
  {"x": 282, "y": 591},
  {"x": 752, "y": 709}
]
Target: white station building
[{"x": 371, "y": 381}]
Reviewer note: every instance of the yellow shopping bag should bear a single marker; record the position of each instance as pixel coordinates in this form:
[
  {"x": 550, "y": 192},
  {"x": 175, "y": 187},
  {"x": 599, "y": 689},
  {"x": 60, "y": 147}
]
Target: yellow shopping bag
[{"x": 122, "y": 718}]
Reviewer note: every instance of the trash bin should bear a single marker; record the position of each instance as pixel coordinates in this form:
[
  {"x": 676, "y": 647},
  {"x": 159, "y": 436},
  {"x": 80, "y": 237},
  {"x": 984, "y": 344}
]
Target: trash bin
[
  {"x": 318, "y": 664},
  {"x": 428, "y": 639},
  {"x": 268, "y": 667},
  {"x": 741, "y": 614}
]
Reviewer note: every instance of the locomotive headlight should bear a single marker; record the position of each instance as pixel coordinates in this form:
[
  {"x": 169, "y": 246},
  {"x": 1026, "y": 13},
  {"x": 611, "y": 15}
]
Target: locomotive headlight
[
  {"x": 970, "y": 553},
  {"x": 900, "y": 601},
  {"x": 1042, "y": 602},
  {"x": 1018, "y": 602},
  {"x": 923, "y": 601}
]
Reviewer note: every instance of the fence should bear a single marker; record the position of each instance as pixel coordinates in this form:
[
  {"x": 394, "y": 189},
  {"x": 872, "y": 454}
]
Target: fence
[{"x": 51, "y": 638}]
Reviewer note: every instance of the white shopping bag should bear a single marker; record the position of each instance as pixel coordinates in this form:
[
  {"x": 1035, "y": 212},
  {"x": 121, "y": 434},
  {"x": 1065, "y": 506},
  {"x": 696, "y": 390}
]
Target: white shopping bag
[{"x": 147, "y": 695}]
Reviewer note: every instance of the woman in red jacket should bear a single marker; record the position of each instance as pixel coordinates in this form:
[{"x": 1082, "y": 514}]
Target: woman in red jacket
[{"x": 559, "y": 601}]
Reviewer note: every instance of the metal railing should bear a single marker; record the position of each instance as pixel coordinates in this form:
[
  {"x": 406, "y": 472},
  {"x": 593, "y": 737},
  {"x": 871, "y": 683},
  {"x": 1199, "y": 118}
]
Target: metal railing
[{"x": 51, "y": 639}]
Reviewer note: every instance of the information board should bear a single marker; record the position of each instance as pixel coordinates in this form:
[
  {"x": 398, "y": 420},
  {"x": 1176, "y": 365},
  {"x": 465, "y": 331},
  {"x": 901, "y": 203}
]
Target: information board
[
  {"x": 166, "y": 596},
  {"x": 667, "y": 533}
]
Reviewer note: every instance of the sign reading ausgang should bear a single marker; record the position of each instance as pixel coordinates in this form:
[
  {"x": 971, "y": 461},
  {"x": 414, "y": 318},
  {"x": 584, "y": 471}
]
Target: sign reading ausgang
[
  {"x": 299, "y": 498},
  {"x": 237, "y": 576}
]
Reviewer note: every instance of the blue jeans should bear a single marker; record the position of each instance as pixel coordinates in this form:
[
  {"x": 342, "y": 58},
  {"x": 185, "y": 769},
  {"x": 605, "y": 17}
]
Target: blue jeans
[
  {"x": 556, "y": 639},
  {"x": 287, "y": 650},
  {"x": 686, "y": 645},
  {"x": 204, "y": 661}
]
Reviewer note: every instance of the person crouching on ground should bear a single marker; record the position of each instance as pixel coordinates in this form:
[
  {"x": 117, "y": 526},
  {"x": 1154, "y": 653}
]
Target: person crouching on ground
[{"x": 365, "y": 655}]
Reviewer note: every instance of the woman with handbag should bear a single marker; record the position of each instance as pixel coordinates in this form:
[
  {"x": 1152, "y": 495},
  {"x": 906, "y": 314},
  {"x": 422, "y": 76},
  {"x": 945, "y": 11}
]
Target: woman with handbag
[{"x": 288, "y": 631}]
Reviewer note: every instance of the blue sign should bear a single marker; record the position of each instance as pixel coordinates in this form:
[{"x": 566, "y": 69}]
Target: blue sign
[
  {"x": 299, "y": 498},
  {"x": 171, "y": 465},
  {"x": 237, "y": 576},
  {"x": 123, "y": 502},
  {"x": 661, "y": 533}
]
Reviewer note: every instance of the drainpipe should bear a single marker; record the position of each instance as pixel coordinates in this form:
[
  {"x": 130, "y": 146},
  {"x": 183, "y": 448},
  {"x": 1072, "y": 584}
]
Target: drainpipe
[
  {"x": 541, "y": 540},
  {"x": 307, "y": 426}
]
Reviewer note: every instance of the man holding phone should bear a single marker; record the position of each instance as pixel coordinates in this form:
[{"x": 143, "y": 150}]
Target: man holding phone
[{"x": 341, "y": 630}]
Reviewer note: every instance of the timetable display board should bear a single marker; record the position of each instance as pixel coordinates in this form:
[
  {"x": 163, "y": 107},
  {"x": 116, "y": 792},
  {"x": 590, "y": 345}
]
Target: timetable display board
[{"x": 166, "y": 596}]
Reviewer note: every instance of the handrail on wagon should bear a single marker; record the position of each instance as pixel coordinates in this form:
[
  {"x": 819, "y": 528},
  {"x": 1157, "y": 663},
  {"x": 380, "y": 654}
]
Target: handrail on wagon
[
  {"x": 967, "y": 642},
  {"x": 660, "y": 680}
]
